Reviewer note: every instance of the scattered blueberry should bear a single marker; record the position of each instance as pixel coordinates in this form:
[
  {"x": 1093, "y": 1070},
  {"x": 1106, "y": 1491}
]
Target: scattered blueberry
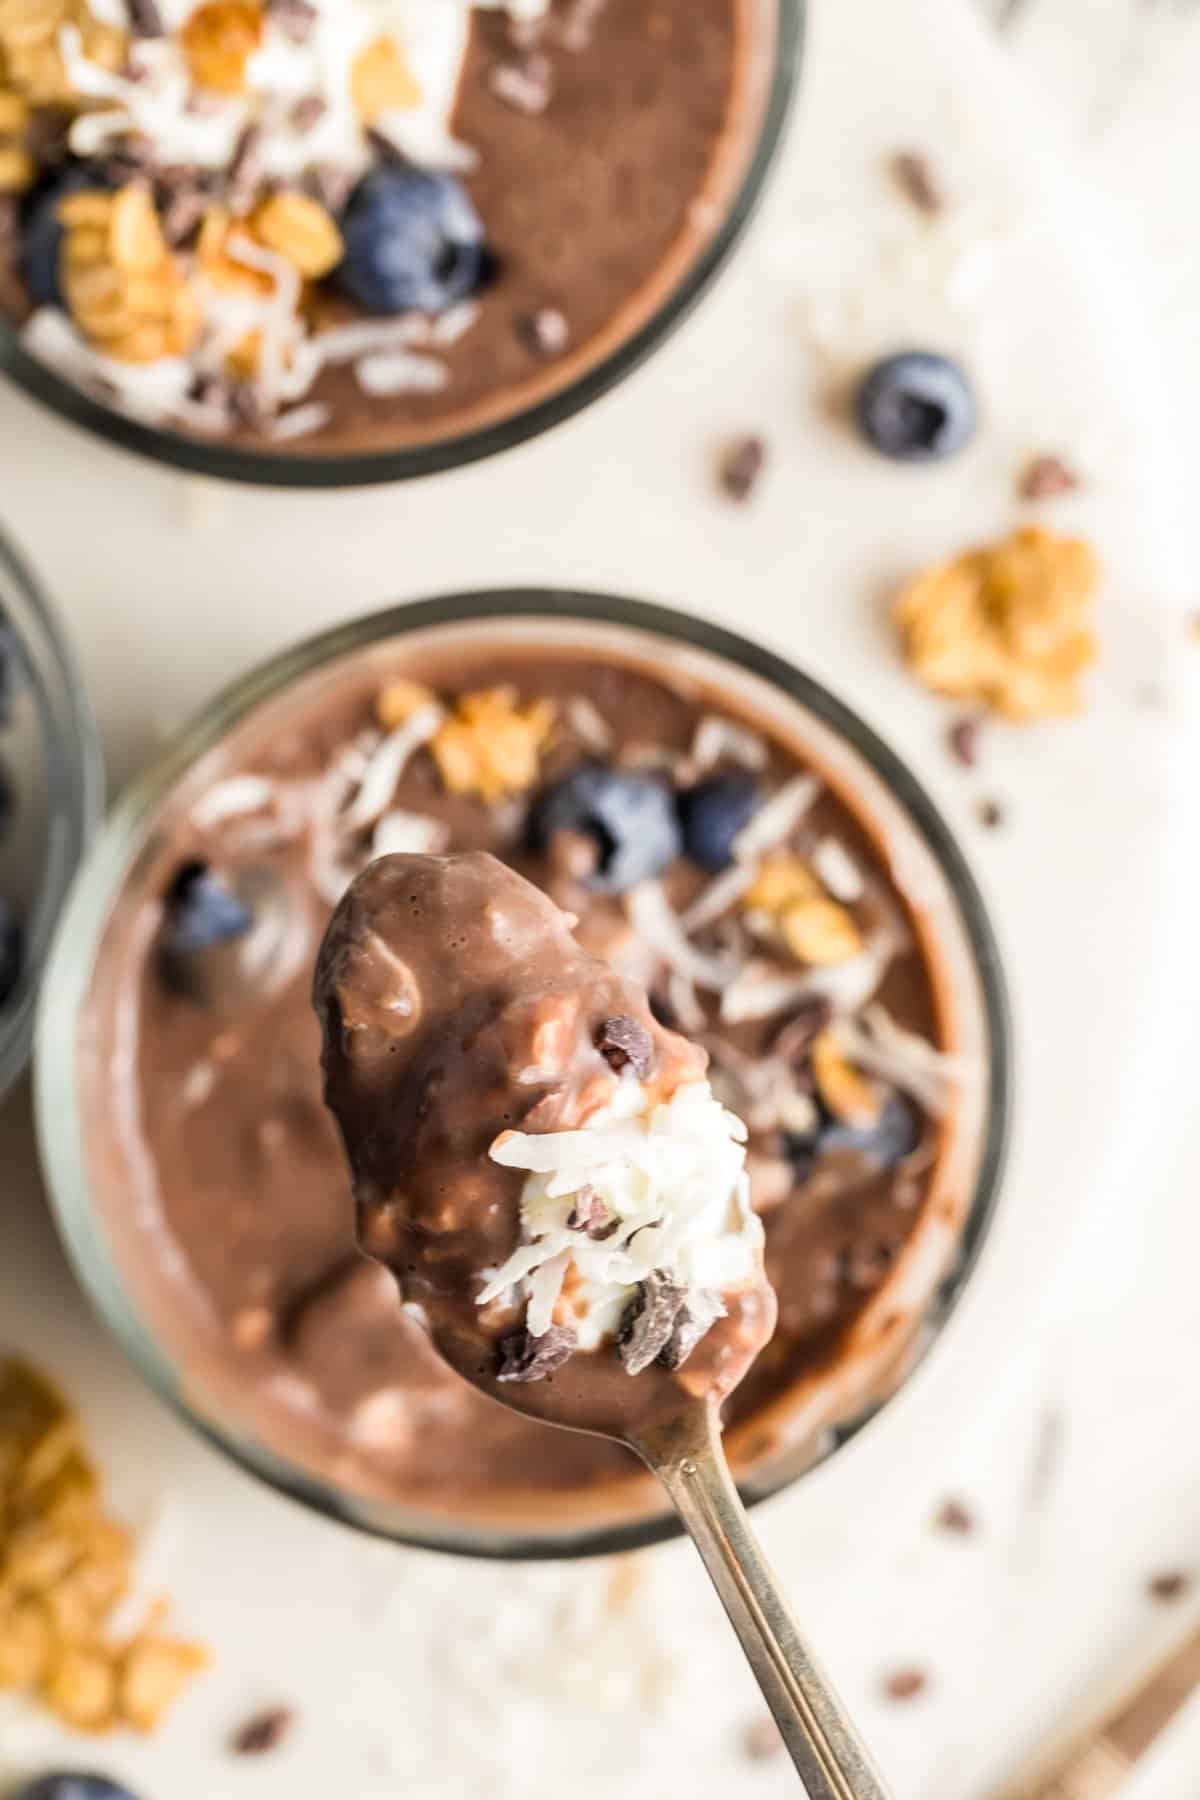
[
  {"x": 631, "y": 818},
  {"x": 41, "y": 234},
  {"x": 413, "y": 242},
  {"x": 201, "y": 912},
  {"x": 895, "y": 1135},
  {"x": 12, "y": 951},
  {"x": 71, "y": 1785},
  {"x": 916, "y": 407},
  {"x": 712, "y": 813}
]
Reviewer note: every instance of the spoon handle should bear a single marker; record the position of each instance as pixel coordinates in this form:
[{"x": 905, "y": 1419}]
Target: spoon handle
[{"x": 831, "y": 1759}]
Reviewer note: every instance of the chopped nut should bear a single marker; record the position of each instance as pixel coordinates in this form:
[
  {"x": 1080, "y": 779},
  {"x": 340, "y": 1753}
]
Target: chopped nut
[
  {"x": 820, "y": 932},
  {"x": 650, "y": 1321},
  {"x": 1008, "y": 625},
  {"x": 491, "y": 746},
  {"x": 845, "y": 1092},
  {"x": 1046, "y": 477},
  {"x": 300, "y": 229},
  {"x": 399, "y": 700},
  {"x": 381, "y": 81},
  {"x": 14, "y": 114}
]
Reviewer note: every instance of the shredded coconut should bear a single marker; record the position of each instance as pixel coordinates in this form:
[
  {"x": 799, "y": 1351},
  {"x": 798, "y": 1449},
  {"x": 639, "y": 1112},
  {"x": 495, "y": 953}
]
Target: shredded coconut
[
  {"x": 400, "y": 833},
  {"x": 588, "y": 723},
  {"x": 652, "y": 918},
  {"x": 672, "y": 1176},
  {"x": 722, "y": 893},
  {"x": 838, "y": 872},
  {"x": 880, "y": 1047},
  {"x": 717, "y": 738},
  {"x": 777, "y": 818},
  {"x": 387, "y": 765},
  {"x": 760, "y": 991}
]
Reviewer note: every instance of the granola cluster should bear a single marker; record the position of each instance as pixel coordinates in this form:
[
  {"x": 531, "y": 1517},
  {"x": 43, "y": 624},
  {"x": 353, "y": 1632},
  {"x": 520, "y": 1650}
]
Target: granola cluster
[
  {"x": 491, "y": 744},
  {"x": 124, "y": 288},
  {"x": 790, "y": 901},
  {"x": 1008, "y": 625},
  {"x": 65, "y": 1565}
]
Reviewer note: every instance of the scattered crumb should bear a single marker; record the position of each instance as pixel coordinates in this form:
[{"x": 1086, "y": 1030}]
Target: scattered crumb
[
  {"x": 264, "y": 1731},
  {"x": 913, "y": 174},
  {"x": 1046, "y": 477},
  {"x": 956, "y": 1517},
  {"x": 1006, "y": 625},
  {"x": 761, "y": 1740},
  {"x": 905, "y": 1684},
  {"x": 741, "y": 465},
  {"x": 962, "y": 739},
  {"x": 1171, "y": 1585},
  {"x": 992, "y": 814}
]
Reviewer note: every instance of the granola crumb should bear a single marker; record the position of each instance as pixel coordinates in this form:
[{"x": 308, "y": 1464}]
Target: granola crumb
[
  {"x": 1169, "y": 1586},
  {"x": 905, "y": 1684},
  {"x": 492, "y": 744},
  {"x": 1046, "y": 477},
  {"x": 1007, "y": 625},
  {"x": 914, "y": 176},
  {"x": 992, "y": 814}
]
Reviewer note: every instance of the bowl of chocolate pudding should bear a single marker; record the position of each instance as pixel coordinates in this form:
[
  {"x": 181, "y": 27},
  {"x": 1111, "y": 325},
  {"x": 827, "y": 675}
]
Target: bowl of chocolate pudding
[
  {"x": 328, "y": 242},
  {"x": 725, "y": 832}
]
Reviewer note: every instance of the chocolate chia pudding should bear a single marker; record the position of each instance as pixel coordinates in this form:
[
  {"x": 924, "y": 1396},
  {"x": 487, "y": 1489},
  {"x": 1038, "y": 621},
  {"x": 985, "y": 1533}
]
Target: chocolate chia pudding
[
  {"x": 351, "y": 226},
  {"x": 717, "y": 844}
]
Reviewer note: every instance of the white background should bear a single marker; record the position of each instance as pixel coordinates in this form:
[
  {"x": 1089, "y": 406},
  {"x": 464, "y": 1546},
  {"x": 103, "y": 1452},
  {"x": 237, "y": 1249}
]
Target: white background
[{"x": 1067, "y": 272}]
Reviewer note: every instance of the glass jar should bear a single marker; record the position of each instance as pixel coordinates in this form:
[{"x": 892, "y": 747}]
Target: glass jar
[{"x": 909, "y": 1310}]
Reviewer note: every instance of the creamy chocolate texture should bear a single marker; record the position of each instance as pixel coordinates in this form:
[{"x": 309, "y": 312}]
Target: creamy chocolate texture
[
  {"x": 799, "y": 966},
  {"x": 459, "y": 1017}
]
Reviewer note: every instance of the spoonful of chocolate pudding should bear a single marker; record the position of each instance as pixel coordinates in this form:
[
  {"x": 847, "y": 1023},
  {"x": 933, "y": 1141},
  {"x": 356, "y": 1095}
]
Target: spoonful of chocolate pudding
[{"x": 544, "y": 1169}]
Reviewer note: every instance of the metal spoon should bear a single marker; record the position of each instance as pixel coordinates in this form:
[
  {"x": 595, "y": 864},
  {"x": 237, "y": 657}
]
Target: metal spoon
[{"x": 686, "y": 1453}]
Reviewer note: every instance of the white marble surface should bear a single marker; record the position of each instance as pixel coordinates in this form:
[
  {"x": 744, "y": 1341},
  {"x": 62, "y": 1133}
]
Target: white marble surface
[{"x": 1063, "y": 271}]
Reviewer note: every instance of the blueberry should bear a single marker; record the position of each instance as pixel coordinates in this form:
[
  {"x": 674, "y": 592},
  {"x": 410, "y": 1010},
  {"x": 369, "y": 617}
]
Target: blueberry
[
  {"x": 201, "y": 912},
  {"x": 894, "y": 1135},
  {"x": 12, "y": 951},
  {"x": 413, "y": 242},
  {"x": 916, "y": 407},
  {"x": 42, "y": 234},
  {"x": 712, "y": 813},
  {"x": 630, "y": 817},
  {"x": 73, "y": 1785}
]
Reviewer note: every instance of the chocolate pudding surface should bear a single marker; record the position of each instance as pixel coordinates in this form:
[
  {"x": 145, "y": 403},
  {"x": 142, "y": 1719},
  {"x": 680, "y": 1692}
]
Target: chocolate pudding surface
[
  {"x": 596, "y": 151},
  {"x": 218, "y": 1172}
]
